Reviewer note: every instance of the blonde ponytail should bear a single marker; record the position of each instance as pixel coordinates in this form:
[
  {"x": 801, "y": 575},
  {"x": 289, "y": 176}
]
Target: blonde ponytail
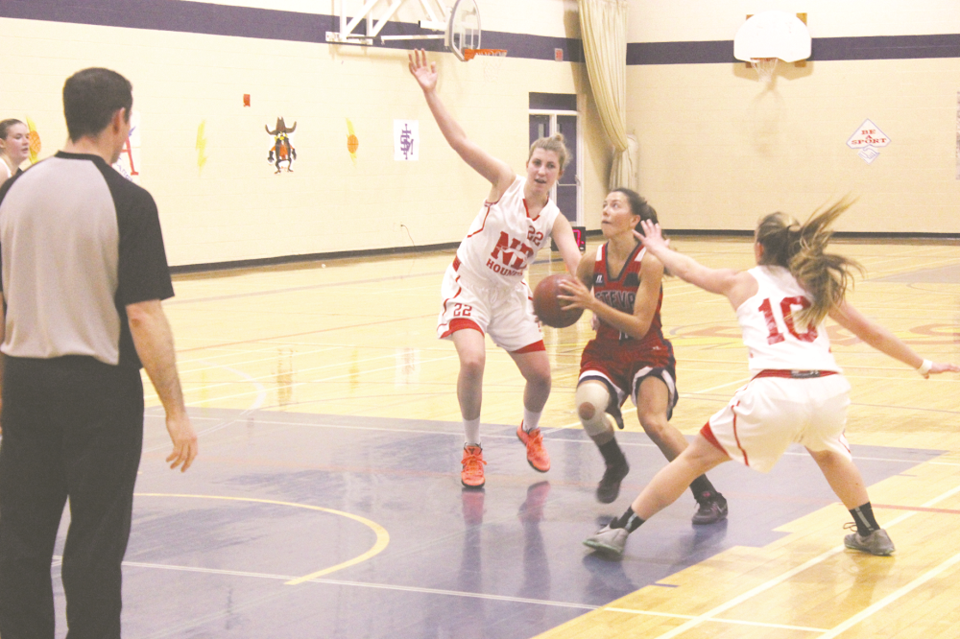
[{"x": 800, "y": 248}]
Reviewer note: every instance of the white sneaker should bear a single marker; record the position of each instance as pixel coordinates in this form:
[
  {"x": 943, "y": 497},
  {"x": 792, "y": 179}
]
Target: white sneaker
[
  {"x": 609, "y": 541},
  {"x": 876, "y": 543}
]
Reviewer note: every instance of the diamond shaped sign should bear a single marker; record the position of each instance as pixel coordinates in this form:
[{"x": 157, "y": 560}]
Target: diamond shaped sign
[{"x": 868, "y": 134}]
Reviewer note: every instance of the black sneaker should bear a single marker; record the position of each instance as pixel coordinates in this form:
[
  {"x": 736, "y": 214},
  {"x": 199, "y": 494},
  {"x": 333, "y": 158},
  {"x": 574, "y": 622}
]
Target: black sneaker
[
  {"x": 710, "y": 509},
  {"x": 609, "y": 487}
]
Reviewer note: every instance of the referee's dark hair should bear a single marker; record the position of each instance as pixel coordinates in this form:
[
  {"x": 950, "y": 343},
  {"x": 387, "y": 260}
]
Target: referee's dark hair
[{"x": 91, "y": 97}]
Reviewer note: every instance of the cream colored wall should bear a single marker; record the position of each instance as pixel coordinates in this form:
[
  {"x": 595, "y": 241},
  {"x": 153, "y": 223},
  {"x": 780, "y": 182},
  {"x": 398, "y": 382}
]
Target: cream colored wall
[
  {"x": 696, "y": 20},
  {"x": 718, "y": 149},
  {"x": 235, "y": 208}
]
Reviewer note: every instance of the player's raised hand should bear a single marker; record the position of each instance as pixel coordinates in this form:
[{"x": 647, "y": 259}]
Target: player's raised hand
[
  {"x": 425, "y": 72},
  {"x": 652, "y": 237}
]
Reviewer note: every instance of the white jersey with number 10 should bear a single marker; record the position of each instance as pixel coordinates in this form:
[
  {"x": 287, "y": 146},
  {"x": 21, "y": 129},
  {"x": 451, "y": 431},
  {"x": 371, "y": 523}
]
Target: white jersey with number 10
[{"x": 773, "y": 339}]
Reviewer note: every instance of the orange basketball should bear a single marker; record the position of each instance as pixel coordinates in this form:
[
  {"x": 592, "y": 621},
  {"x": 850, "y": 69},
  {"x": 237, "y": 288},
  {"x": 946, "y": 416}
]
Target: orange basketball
[
  {"x": 547, "y": 306},
  {"x": 352, "y": 144}
]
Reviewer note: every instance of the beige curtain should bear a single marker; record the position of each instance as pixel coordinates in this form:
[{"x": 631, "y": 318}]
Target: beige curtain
[{"x": 603, "y": 26}]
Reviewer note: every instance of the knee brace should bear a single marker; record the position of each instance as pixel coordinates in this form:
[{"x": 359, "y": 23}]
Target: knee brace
[{"x": 593, "y": 395}]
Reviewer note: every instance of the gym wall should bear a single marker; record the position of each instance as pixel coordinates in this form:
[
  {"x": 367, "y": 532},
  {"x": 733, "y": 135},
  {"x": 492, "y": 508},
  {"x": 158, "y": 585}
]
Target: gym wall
[
  {"x": 203, "y": 154},
  {"x": 718, "y": 149}
]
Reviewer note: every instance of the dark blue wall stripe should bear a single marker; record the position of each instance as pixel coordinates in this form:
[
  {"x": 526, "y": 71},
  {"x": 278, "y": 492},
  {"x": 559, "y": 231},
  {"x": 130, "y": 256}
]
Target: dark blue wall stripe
[
  {"x": 560, "y": 101},
  {"x": 215, "y": 19},
  {"x": 865, "y": 48},
  {"x": 887, "y": 47}
]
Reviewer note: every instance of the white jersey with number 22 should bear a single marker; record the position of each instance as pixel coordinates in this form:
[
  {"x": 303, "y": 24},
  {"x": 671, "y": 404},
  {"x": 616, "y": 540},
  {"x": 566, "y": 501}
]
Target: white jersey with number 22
[{"x": 503, "y": 239}]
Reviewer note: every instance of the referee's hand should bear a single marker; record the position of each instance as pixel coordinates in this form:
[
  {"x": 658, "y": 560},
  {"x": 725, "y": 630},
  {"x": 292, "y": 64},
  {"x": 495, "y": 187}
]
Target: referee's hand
[{"x": 185, "y": 444}]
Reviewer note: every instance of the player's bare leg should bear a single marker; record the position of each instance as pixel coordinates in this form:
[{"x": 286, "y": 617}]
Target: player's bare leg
[
  {"x": 593, "y": 401},
  {"x": 664, "y": 489},
  {"x": 846, "y": 481},
  {"x": 668, "y": 484},
  {"x": 654, "y": 401},
  {"x": 535, "y": 368},
  {"x": 471, "y": 350}
]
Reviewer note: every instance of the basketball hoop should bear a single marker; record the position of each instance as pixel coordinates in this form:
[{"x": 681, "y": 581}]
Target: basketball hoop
[
  {"x": 492, "y": 61},
  {"x": 765, "y": 67},
  {"x": 769, "y": 37}
]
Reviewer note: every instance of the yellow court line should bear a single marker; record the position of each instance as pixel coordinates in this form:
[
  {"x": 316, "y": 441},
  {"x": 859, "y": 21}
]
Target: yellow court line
[{"x": 383, "y": 537}]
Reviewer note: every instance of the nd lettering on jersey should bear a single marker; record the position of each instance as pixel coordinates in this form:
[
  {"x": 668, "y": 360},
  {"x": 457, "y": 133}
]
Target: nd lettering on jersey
[
  {"x": 507, "y": 248},
  {"x": 787, "y": 307}
]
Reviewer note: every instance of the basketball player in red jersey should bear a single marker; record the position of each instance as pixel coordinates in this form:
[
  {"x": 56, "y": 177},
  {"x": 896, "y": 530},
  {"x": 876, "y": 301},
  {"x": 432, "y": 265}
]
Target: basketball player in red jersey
[
  {"x": 629, "y": 356},
  {"x": 484, "y": 291},
  {"x": 797, "y": 394}
]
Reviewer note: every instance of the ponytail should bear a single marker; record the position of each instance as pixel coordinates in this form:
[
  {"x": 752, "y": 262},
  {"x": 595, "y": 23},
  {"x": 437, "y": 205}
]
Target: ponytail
[{"x": 800, "y": 248}]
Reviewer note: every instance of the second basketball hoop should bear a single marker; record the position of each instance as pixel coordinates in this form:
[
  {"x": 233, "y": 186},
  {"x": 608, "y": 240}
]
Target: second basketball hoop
[{"x": 768, "y": 37}]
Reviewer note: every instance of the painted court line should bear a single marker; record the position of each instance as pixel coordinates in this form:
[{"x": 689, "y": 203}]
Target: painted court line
[
  {"x": 737, "y": 622},
  {"x": 358, "y": 584},
  {"x": 449, "y": 593},
  {"x": 458, "y": 432},
  {"x": 382, "y": 536},
  {"x": 883, "y": 603},
  {"x": 764, "y": 587}
]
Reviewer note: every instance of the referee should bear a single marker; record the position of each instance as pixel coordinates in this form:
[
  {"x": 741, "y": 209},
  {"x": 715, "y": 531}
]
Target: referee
[{"x": 83, "y": 271}]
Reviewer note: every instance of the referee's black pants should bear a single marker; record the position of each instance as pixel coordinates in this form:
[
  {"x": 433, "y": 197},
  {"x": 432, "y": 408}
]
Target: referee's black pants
[{"x": 72, "y": 428}]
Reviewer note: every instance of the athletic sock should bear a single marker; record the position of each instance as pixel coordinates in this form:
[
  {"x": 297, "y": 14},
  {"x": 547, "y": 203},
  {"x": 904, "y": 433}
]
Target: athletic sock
[
  {"x": 627, "y": 520},
  {"x": 612, "y": 453},
  {"x": 471, "y": 431},
  {"x": 702, "y": 488},
  {"x": 863, "y": 516},
  {"x": 531, "y": 420}
]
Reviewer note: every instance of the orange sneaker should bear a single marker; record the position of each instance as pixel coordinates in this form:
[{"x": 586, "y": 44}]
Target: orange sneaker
[
  {"x": 472, "y": 474},
  {"x": 536, "y": 455}
]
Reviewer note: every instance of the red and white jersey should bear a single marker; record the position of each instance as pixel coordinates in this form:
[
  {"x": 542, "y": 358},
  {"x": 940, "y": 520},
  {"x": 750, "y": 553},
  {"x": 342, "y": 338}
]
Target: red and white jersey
[
  {"x": 503, "y": 239},
  {"x": 619, "y": 291},
  {"x": 772, "y": 338}
]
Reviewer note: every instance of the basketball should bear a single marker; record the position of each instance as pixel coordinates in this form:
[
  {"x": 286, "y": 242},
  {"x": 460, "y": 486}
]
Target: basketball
[{"x": 547, "y": 306}]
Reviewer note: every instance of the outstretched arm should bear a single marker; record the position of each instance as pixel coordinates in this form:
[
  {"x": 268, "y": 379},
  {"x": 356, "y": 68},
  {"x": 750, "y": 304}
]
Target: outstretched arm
[
  {"x": 562, "y": 234},
  {"x": 495, "y": 171},
  {"x": 886, "y": 342},
  {"x": 737, "y": 286}
]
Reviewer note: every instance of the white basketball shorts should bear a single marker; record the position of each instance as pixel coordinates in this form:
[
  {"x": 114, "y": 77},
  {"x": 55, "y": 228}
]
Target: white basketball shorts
[
  {"x": 770, "y": 413},
  {"x": 505, "y": 314}
]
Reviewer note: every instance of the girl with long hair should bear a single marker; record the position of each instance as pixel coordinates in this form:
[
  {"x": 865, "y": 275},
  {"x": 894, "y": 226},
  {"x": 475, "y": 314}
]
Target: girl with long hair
[
  {"x": 798, "y": 393},
  {"x": 629, "y": 357},
  {"x": 484, "y": 292}
]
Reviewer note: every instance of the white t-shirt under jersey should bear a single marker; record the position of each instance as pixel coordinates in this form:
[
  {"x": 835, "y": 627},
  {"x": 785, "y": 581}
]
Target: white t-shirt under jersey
[
  {"x": 774, "y": 341},
  {"x": 503, "y": 239}
]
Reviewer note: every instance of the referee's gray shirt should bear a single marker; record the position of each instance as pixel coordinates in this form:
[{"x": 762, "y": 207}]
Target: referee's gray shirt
[{"x": 78, "y": 242}]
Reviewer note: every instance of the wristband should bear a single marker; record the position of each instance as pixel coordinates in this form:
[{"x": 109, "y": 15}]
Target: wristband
[{"x": 924, "y": 368}]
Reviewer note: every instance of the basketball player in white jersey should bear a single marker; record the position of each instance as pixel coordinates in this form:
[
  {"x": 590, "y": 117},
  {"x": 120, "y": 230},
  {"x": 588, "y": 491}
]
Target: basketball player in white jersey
[
  {"x": 797, "y": 393},
  {"x": 484, "y": 292}
]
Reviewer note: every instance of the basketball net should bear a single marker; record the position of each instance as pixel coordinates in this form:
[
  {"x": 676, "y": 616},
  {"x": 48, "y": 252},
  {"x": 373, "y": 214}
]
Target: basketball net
[
  {"x": 492, "y": 61},
  {"x": 765, "y": 68}
]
